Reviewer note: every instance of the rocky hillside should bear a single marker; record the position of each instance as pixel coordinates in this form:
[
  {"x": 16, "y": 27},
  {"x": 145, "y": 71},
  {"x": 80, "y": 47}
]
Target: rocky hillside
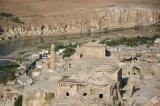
[{"x": 76, "y": 20}]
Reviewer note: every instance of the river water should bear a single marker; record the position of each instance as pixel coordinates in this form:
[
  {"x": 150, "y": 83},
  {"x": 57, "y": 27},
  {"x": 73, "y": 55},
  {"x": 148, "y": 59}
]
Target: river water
[
  {"x": 7, "y": 47},
  {"x": 4, "y": 62}
]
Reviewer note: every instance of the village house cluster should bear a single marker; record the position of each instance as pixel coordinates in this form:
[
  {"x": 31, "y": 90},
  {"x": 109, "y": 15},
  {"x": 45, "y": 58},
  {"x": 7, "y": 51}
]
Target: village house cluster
[{"x": 95, "y": 75}]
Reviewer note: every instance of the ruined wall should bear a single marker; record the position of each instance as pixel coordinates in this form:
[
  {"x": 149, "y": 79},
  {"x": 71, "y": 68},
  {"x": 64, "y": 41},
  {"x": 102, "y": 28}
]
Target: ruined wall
[
  {"x": 93, "y": 52},
  {"x": 85, "y": 21},
  {"x": 76, "y": 97},
  {"x": 35, "y": 98}
]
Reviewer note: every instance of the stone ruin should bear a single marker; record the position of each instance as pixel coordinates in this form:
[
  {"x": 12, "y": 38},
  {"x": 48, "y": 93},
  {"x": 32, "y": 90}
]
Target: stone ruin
[
  {"x": 90, "y": 79},
  {"x": 92, "y": 76},
  {"x": 7, "y": 96}
]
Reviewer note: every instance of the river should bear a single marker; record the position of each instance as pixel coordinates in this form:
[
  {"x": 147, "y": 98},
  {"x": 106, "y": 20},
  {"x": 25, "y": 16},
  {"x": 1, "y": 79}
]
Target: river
[{"x": 7, "y": 47}]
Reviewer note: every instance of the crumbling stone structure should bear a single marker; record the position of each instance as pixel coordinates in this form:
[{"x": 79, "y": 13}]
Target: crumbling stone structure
[
  {"x": 91, "y": 79},
  {"x": 53, "y": 57}
]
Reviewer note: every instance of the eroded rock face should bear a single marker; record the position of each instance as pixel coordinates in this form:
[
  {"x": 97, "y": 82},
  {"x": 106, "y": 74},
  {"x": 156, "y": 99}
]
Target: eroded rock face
[{"x": 85, "y": 21}]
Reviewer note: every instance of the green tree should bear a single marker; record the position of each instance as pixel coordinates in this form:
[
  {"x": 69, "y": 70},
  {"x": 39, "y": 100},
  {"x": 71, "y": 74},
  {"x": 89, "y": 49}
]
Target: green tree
[{"x": 18, "y": 101}]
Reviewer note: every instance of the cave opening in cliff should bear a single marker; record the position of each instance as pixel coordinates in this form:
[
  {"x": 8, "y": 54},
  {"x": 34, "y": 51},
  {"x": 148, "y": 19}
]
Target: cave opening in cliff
[
  {"x": 67, "y": 93},
  {"x": 101, "y": 96},
  {"x": 81, "y": 55},
  {"x": 84, "y": 94}
]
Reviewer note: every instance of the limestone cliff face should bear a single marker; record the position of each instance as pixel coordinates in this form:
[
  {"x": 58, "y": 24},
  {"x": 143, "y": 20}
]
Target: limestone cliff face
[{"x": 85, "y": 21}]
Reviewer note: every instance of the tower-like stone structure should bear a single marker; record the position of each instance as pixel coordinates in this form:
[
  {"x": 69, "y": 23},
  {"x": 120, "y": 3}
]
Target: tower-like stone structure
[{"x": 53, "y": 57}]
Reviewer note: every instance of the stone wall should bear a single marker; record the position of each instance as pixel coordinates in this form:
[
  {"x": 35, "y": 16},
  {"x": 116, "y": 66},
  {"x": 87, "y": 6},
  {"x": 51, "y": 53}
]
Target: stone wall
[{"x": 66, "y": 93}]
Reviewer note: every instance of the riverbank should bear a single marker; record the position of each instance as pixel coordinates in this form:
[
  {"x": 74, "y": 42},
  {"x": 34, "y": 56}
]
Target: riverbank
[
  {"x": 134, "y": 30},
  {"x": 21, "y": 47}
]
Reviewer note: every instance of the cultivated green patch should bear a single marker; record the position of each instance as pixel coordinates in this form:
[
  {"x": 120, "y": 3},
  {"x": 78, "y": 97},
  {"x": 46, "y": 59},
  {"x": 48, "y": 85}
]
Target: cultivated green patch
[
  {"x": 131, "y": 41},
  {"x": 8, "y": 72},
  {"x": 69, "y": 48},
  {"x": 44, "y": 46},
  {"x": 68, "y": 52}
]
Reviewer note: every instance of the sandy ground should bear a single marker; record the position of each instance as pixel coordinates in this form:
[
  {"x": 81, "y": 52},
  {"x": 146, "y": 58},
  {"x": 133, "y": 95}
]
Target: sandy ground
[{"x": 48, "y": 7}]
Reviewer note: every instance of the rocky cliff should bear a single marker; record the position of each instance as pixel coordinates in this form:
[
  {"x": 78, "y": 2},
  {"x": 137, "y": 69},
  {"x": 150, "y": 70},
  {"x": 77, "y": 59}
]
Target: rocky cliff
[{"x": 83, "y": 21}]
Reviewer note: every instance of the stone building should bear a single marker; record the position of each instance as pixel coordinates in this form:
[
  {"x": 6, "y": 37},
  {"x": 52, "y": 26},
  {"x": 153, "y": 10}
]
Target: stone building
[
  {"x": 92, "y": 50},
  {"x": 91, "y": 79}
]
